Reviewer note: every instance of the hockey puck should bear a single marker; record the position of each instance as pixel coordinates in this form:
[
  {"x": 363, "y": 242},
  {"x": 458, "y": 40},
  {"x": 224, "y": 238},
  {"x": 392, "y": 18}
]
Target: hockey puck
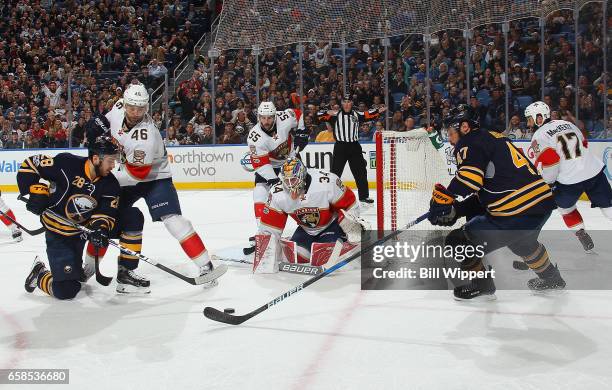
[{"x": 229, "y": 310}]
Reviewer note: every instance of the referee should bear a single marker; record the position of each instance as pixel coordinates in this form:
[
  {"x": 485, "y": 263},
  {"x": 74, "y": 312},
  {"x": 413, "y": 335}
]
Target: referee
[{"x": 345, "y": 124}]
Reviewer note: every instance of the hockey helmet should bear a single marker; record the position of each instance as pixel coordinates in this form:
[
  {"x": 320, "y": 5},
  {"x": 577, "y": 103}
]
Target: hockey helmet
[
  {"x": 537, "y": 108},
  {"x": 136, "y": 95},
  {"x": 102, "y": 145},
  {"x": 266, "y": 109}
]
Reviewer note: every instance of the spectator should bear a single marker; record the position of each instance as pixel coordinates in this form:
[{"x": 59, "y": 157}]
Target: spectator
[
  {"x": 229, "y": 135},
  {"x": 30, "y": 142},
  {"x": 515, "y": 131},
  {"x": 326, "y": 135},
  {"x": 408, "y": 124},
  {"x": 14, "y": 142}
]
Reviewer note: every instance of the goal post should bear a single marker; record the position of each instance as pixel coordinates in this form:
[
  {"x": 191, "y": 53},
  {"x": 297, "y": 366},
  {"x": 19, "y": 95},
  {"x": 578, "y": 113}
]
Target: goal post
[{"x": 407, "y": 168}]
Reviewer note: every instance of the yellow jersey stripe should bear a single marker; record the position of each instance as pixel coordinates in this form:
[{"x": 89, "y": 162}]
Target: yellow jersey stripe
[
  {"x": 525, "y": 207},
  {"x": 468, "y": 184},
  {"x": 472, "y": 176},
  {"x": 517, "y": 192},
  {"x": 522, "y": 199},
  {"x": 473, "y": 169}
]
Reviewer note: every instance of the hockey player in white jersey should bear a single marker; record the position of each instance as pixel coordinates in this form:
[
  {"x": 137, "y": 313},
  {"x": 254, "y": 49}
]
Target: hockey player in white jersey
[
  {"x": 563, "y": 156},
  {"x": 5, "y": 212},
  {"x": 145, "y": 173},
  {"x": 277, "y": 135},
  {"x": 324, "y": 209}
]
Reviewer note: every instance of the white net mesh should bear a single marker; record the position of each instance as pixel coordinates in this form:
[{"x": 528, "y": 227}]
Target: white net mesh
[
  {"x": 268, "y": 23},
  {"x": 411, "y": 166}
]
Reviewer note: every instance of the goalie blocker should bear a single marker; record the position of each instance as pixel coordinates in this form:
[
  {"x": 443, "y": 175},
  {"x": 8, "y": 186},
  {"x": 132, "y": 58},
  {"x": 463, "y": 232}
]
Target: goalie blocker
[{"x": 325, "y": 211}]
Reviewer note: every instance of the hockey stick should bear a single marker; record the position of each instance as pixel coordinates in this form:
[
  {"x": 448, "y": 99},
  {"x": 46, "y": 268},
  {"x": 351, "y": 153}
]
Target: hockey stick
[
  {"x": 216, "y": 273},
  {"x": 219, "y": 316},
  {"x": 34, "y": 232},
  {"x": 103, "y": 280}
]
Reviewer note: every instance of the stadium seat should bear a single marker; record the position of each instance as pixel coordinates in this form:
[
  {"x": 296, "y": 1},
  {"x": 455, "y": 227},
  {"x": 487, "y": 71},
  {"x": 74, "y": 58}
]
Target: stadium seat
[{"x": 522, "y": 102}]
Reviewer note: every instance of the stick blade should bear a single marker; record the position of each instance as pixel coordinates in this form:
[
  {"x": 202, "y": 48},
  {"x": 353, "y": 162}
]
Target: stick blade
[
  {"x": 216, "y": 273},
  {"x": 226, "y": 318}
]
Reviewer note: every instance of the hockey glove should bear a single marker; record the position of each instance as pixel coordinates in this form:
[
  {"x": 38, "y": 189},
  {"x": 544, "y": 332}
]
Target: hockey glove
[
  {"x": 100, "y": 234},
  {"x": 39, "y": 198},
  {"x": 300, "y": 139},
  {"x": 441, "y": 207}
]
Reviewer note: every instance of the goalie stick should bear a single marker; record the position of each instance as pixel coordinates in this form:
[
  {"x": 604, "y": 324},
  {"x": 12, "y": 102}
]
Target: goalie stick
[
  {"x": 216, "y": 273},
  {"x": 227, "y": 318},
  {"x": 301, "y": 269}
]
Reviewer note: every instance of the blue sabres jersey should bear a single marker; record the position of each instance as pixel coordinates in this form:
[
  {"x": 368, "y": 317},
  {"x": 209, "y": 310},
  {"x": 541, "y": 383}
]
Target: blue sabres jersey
[
  {"x": 73, "y": 193},
  {"x": 506, "y": 182}
]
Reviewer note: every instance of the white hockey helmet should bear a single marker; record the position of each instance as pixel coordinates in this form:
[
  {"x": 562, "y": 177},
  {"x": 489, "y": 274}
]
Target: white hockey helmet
[
  {"x": 537, "y": 108},
  {"x": 136, "y": 95},
  {"x": 266, "y": 109}
]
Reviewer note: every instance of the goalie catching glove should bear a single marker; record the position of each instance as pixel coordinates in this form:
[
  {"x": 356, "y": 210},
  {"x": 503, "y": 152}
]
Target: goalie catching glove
[{"x": 352, "y": 225}]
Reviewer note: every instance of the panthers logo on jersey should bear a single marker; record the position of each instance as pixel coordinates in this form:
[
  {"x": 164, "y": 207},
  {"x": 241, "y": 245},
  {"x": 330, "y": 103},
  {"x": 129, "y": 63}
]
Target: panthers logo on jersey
[
  {"x": 309, "y": 216},
  {"x": 282, "y": 151},
  {"x": 79, "y": 207}
]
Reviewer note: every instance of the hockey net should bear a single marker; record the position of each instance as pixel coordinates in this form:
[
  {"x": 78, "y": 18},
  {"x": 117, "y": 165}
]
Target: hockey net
[{"x": 407, "y": 168}]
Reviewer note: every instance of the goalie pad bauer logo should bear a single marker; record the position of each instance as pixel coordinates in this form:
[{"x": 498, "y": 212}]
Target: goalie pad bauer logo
[
  {"x": 308, "y": 216},
  {"x": 79, "y": 207}
]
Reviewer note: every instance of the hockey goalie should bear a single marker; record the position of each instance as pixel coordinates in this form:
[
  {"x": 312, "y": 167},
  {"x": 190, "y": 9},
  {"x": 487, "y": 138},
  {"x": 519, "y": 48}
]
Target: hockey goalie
[{"x": 324, "y": 210}]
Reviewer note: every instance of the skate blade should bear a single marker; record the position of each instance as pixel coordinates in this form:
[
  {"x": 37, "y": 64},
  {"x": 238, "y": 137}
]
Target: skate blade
[
  {"x": 129, "y": 289},
  {"x": 211, "y": 284},
  {"x": 480, "y": 298},
  {"x": 551, "y": 292}
]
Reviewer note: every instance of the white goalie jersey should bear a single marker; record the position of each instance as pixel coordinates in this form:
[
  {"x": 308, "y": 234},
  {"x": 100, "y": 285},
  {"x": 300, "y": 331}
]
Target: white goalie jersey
[
  {"x": 314, "y": 211},
  {"x": 271, "y": 151},
  {"x": 562, "y": 153},
  {"x": 145, "y": 158}
]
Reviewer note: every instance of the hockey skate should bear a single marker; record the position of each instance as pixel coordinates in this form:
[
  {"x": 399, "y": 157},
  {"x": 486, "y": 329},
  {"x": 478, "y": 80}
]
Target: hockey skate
[
  {"x": 128, "y": 282},
  {"x": 585, "y": 239},
  {"x": 481, "y": 288},
  {"x": 206, "y": 269},
  {"x": 251, "y": 248},
  {"x": 554, "y": 282},
  {"x": 17, "y": 235},
  {"x": 37, "y": 268}
]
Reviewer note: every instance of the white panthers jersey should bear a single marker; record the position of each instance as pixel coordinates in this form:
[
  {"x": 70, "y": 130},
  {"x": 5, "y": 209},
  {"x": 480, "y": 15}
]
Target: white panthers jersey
[
  {"x": 271, "y": 151},
  {"x": 146, "y": 158},
  {"x": 314, "y": 211},
  {"x": 562, "y": 153}
]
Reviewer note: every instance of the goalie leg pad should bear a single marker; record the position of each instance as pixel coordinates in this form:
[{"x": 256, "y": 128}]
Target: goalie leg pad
[
  {"x": 288, "y": 251},
  {"x": 267, "y": 253}
]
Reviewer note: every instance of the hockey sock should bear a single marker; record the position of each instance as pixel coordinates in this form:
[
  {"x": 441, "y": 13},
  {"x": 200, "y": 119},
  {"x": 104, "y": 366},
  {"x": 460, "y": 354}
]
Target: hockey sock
[
  {"x": 572, "y": 219},
  {"x": 5, "y": 220},
  {"x": 91, "y": 252},
  {"x": 44, "y": 282},
  {"x": 182, "y": 230},
  {"x": 132, "y": 241},
  {"x": 539, "y": 262}
]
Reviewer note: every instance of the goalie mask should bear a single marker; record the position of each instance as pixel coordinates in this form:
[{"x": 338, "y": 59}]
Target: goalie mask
[{"x": 293, "y": 177}]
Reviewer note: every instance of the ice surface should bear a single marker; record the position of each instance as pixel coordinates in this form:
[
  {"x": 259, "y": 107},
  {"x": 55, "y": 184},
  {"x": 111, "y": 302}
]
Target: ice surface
[{"x": 330, "y": 336}]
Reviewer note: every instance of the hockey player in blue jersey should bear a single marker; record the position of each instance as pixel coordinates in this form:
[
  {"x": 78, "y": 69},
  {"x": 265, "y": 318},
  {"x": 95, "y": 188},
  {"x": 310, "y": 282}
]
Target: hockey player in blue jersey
[{"x": 517, "y": 203}]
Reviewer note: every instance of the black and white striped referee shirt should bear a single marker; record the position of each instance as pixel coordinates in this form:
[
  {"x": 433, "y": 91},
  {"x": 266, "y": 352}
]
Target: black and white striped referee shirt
[{"x": 346, "y": 124}]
